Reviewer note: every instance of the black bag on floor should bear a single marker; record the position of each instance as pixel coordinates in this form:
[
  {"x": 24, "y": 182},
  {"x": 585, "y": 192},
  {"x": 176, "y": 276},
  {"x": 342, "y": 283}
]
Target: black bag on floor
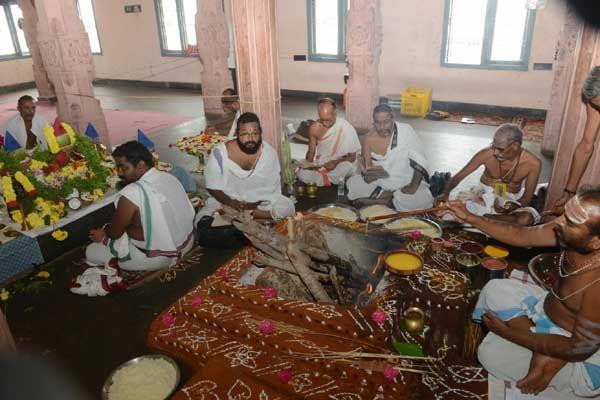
[{"x": 220, "y": 237}]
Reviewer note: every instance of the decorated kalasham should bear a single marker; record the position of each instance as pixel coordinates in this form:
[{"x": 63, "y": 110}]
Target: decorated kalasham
[{"x": 40, "y": 187}]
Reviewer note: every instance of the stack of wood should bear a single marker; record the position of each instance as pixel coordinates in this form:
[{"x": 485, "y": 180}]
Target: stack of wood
[{"x": 301, "y": 252}]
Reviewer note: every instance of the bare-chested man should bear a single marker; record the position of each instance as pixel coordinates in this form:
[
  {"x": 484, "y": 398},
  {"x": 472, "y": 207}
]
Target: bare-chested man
[
  {"x": 27, "y": 127},
  {"x": 508, "y": 182},
  {"x": 333, "y": 144},
  {"x": 546, "y": 336},
  {"x": 587, "y": 145},
  {"x": 231, "y": 106},
  {"x": 394, "y": 166}
]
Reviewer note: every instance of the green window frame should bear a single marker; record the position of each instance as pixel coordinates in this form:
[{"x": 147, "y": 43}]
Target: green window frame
[{"x": 340, "y": 55}]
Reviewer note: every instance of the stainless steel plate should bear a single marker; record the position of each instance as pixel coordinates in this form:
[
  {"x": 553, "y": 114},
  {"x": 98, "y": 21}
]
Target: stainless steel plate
[
  {"x": 136, "y": 360},
  {"x": 405, "y": 231},
  {"x": 314, "y": 210}
]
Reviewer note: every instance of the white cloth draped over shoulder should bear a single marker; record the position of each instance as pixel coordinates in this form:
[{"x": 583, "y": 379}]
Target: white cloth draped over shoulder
[
  {"x": 340, "y": 139},
  {"x": 398, "y": 162},
  {"x": 260, "y": 184},
  {"x": 233, "y": 128},
  {"x": 16, "y": 127}
]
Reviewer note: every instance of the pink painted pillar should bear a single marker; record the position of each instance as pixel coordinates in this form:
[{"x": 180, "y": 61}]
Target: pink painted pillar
[
  {"x": 363, "y": 48},
  {"x": 564, "y": 68},
  {"x": 30, "y": 20},
  {"x": 255, "y": 31},
  {"x": 213, "y": 49},
  {"x": 587, "y": 56},
  {"x": 67, "y": 57}
]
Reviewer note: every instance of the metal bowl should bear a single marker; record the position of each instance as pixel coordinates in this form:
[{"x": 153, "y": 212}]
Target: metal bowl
[
  {"x": 543, "y": 268},
  {"x": 109, "y": 380},
  {"x": 404, "y": 272},
  {"x": 314, "y": 210},
  {"x": 433, "y": 224}
]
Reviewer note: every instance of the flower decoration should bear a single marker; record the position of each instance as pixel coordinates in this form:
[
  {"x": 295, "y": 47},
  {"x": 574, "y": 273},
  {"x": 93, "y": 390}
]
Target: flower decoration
[
  {"x": 167, "y": 320},
  {"x": 285, "y": 375},
  {"x": 196, "y": 301},
  {"x": 26, "y": 183},
  {"x": 378, "y": 317},
  {"x": 223, "y": 273},
  {"x": 390, "y": 372},
  {"x": 416, "y": 234},
  {"x": 9, "y": 192},
  {"x": 4, "y": 295},
  {"x": 17, "y": 216},
  {"x": 34, "y": 220},
  {"x": 266, "y": 327},
  {"x": 60, "y": 235},
  {"x": 43, "y": 274},
  {"x": 269, "y": 293},
  {"x": 51, "y": 139}
]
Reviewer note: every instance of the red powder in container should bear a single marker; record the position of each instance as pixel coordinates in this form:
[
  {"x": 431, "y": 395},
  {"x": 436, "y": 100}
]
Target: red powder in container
[
  {"x": 494, "y": 264},
  {"x": 471, "y": 247}
]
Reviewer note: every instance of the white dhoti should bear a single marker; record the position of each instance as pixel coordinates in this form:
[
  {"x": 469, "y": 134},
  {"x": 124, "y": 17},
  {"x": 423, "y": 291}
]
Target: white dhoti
[
  {"x": 403, "y": 150},
  {"x": 261, "y": 184},
  {"x": 339, "y": 140},
  {"x": 324, "y": 177},
  {"x": 489, "y": 197},
  {"x": 511, "y": 298},
  {"x": 166, "y": 216}
]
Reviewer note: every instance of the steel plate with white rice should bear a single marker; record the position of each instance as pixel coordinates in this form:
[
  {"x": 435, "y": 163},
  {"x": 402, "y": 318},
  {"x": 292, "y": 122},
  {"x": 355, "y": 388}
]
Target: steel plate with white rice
[
  {"x": 407, "y": 225},
  {"x": 376, "y": 210},
  {"x": 150, "y": 377},
  {"x": 336, "y": 211}
]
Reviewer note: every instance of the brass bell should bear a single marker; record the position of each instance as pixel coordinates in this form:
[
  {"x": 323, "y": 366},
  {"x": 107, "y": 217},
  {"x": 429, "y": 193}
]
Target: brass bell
[{"x": 414, "y": 319}]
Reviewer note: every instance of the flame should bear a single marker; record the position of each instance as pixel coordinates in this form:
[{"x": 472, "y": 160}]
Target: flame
[{"x": 369, "y": 288}]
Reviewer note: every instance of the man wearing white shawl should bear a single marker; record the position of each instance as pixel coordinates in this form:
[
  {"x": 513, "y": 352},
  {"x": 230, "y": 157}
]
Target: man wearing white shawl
[
  {"x": 244, "y": 174},
  {"x": 26, "y": 127},
  {"x": 395, "y": 167},
  {"x": 545, "y": 332},
  {"x": 333, "y": 144},
  {"x": 152, "y": 226}
]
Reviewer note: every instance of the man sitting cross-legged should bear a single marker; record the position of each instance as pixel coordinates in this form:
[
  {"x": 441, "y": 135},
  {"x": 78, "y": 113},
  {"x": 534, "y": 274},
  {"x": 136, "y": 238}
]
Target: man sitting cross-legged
[
  {"x": 150, "y": 229},
  {"x": 508, "y": 182},
  {"x": 244, "y": 174},
  {"x": 332, "y": 147},
  {"x": 546, "y": 336},
  {"x": 396, "y": 150}
]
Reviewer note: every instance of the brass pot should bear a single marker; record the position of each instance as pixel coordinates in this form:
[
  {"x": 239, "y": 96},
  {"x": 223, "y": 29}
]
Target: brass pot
[
  {"x": 414, "y": 319},
  {"x": 311, "y": 190},
  {"x": 300, "y": 190}
]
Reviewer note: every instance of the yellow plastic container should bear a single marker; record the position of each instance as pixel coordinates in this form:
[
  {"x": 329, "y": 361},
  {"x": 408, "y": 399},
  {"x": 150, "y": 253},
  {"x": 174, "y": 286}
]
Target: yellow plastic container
[{"x": 415, "y": 102}]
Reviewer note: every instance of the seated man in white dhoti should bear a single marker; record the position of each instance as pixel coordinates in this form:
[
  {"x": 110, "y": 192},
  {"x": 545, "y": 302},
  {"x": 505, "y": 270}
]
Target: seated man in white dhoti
[
  {"x": 26, "y": 127},
  {"x": 395, "y": 150},
  {"x": 508, "y": 181},
  {"x": 152, "y": 226},
  {"x": 244, "y": 174},
  {"x": 332, "y": 147},
  {"x": 545, "y": 336}
]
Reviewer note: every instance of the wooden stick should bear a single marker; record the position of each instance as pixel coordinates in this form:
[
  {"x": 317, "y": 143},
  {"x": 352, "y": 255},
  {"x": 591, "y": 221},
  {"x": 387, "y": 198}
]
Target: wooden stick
[{"x": 407, "y": 213}]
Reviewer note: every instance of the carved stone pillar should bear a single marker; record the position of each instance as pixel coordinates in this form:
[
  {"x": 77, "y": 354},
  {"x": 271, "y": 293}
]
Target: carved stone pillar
[
  {"x": 363, "y": 48},
  {"x": 586, "y": 57},
  {"x": 255, "y": 31},
  {"x": 213, "y": 50},
  {"x": 30, "y": 20},
  {"x": 564, "y": 68},
  {"x": 67, "y": 57}
]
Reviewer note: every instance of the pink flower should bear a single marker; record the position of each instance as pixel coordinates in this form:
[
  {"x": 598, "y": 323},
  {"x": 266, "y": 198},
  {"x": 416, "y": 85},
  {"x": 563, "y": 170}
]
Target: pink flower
[
  {"x": 223, "y": 273},
  {"x": 285, "y": 375},
  {"x": 378, "y": 317},
  {"x": 167, "y": 320},
  {"x": 269, "y": 293},
  {"x": 415, "y": 234},
  {"x": 196, "y": 301},
  {"x": 390, "y": 372},
  {"x": 266, "y": 327}
]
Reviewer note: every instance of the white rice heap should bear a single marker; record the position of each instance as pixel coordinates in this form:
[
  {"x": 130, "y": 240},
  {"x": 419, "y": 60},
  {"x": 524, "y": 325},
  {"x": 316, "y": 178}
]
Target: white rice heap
[
  {"x": 411, "y": 224},
  {"x": 149, "y": 379},
  {"x": 337, "y": 213},
  {"x": 376, "y": 210}
]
